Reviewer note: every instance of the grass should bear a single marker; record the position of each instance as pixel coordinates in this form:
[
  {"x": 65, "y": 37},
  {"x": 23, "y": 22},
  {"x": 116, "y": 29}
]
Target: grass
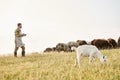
[{"x": 59, "y": 66}]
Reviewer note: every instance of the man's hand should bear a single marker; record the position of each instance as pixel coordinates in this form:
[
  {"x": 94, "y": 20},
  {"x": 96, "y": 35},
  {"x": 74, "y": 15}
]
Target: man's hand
[{"x": 24, "y": 34}]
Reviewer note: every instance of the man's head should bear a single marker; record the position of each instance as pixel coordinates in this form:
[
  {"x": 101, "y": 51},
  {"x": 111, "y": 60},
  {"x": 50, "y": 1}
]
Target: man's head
[{"x": 19, "y": 25}]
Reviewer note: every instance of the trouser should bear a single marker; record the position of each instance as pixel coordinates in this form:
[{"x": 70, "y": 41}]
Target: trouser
[{"x": 16, "y": 49}]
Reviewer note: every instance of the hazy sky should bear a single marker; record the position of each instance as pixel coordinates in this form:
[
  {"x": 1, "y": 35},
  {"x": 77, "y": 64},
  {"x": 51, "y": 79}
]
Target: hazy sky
[{"x": 48, "y": 22}]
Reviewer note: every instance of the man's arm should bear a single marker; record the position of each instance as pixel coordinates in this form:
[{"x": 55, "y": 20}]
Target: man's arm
[{"x": 17, "y": 34}]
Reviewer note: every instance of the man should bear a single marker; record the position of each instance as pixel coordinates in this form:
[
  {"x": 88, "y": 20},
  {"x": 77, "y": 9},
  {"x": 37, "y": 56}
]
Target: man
[{"x": 18, "y": 40}]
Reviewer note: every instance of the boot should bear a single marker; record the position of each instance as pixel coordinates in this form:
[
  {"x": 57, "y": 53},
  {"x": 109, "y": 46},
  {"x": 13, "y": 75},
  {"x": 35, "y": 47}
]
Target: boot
[
  {"x": 23, "y": 53},
  {"x": 15, "y": 54}
]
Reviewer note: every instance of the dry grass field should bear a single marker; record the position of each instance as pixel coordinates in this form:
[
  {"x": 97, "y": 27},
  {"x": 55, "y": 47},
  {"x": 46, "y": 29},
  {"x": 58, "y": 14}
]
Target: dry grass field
[{"x": 59, "y": 66}]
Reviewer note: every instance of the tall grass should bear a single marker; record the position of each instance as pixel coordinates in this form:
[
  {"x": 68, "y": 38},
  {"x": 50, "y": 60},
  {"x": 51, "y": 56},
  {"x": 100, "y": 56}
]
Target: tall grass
[{"x": 59, "y": 66}]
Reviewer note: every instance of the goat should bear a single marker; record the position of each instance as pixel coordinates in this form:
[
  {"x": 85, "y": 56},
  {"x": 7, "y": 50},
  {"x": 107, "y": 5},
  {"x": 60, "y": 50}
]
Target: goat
[{"x": 88, "y": 50}]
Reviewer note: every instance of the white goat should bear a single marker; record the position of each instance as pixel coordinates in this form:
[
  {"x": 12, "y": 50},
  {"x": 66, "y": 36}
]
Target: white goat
[{"x": 88, "y": 50}]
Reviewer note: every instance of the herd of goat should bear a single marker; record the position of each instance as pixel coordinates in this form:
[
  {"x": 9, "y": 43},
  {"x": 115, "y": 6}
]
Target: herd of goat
[{"x": 99, "y": 43}]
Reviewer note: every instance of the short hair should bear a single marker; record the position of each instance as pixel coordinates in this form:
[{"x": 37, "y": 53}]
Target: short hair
[{"x": 19, "y": 24}]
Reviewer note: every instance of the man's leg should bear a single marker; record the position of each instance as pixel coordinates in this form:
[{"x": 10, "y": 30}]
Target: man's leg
[
  {"x": 23, "y": 51},
  {"x": 15, "y": 51}
]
